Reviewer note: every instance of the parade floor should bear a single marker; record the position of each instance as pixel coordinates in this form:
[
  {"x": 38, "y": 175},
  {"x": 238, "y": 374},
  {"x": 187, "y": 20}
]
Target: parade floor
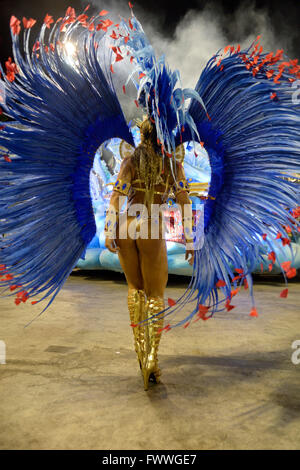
[{"x": 71, "y": 378}]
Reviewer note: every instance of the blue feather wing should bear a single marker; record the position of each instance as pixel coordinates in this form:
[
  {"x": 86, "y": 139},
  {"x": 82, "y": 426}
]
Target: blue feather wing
[
  {"x": 61, "y": 113},
  {"x": 251, "y": 132}
]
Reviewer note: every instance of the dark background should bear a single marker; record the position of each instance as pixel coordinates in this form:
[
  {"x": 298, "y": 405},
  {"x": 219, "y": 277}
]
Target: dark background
[{"x": 284, "y": 15}]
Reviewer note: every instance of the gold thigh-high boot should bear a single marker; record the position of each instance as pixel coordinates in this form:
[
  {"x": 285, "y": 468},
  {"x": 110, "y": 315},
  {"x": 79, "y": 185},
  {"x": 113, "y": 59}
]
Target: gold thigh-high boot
[
  {"x": 153, "y": 330},
  {"x": 136, "y": 307}
]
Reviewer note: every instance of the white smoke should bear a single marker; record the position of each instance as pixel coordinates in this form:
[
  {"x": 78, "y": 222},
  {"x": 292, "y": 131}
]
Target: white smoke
[{"x": 198, "y": 36}]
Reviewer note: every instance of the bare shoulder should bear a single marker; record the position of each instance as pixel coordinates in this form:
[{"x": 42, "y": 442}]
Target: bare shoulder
[
  {"x": 179, "y": 171},
  {"x": 127, "y": 161},
  {"x": 126, "y": 167}
]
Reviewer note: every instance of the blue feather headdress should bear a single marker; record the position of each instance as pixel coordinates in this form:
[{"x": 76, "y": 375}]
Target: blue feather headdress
[{"x": 159, "y": 90}]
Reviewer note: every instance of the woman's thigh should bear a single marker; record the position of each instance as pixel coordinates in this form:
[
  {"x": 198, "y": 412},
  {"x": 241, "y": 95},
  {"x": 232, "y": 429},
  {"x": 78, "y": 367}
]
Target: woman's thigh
[
  {"x": 143, "y": 259},
  {"x": 154, "y": 265},
  {"x": 129, "y": 259}
]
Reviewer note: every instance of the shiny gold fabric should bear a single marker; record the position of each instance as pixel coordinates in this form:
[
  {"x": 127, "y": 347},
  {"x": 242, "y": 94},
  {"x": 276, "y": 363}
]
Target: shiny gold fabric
[
  {"x": 153, "y": 330},
  {"x": 136, "y": 307}
]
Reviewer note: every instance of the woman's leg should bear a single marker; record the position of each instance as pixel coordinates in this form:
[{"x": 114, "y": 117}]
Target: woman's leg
[
  {"x": 129, "y": 260},
  {"x": 154, "y": 268},
  {"x": 144, "y": 261}
]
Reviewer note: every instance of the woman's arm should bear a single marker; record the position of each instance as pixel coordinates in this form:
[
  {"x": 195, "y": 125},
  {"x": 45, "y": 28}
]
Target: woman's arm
[
  {"x": 121, "y": 188},
  {"x": 181, "y": 191}
]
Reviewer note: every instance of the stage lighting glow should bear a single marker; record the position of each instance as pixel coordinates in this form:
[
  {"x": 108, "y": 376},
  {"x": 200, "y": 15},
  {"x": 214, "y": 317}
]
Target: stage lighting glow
[{"x": 70, "y": 53}]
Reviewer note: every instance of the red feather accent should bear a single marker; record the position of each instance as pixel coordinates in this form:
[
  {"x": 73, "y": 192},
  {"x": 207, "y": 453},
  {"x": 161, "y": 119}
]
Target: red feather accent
[
  {"x": 284, "y": 293},
  {"x": 262, "y": 267},
  {"x": 48, "y": 20},
  {"x": 104, "y": 24},
  {"x": 228, "y": 306},
  {"x": 203, "y": 309},
  {"x": 272, "y": 256},
  {"x": 286, "y": 265},
  {"x": 28, "y": 23},
  {"x": 171, "y": 302},
  {"x": 234, "y": 292},
  {"x": 82, "y": 18},
  {"x": 285, "y": 241},
  {"x": 114, "y": 35},
  {"x": 253, "y": 312},
  {"x": 70, "y": 12},
  {"x": 291, "y": 273},
  {"x": 15, "y": 25},
  {"x": 36, "y": 46},
  {"x": 14, "y": 287}
]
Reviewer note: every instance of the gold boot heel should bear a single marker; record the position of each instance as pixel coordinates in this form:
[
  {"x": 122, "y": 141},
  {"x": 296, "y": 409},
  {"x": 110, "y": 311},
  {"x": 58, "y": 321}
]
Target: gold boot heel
[{"x": 151, "y": 371}]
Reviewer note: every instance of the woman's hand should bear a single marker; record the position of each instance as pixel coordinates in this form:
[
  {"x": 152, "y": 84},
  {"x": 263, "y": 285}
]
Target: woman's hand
[
  {"x": 190, "y": 255},
  {"x": 110, "y": 244}
]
